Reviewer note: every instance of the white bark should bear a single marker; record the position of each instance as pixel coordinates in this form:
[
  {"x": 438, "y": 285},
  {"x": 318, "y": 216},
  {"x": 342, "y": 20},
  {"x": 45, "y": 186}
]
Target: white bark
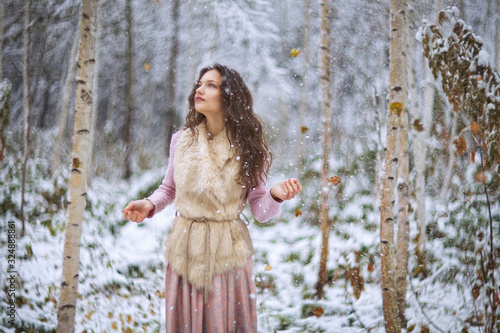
[
  {"x": 397, "y": 104},
  {"x": 95, "y": 96},
  {"x": 63, "y": 113},
  {"x": 1, "y": 37},
  {"x": 78, "y": 182}
]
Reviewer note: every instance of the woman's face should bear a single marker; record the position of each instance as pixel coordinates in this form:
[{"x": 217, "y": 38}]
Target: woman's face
[{"x": 207, "y": 99}]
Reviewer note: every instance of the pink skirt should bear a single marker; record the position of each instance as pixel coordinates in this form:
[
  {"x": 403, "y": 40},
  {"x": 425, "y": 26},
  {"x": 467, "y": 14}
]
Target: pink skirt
[{"x": 231, "y": 307}]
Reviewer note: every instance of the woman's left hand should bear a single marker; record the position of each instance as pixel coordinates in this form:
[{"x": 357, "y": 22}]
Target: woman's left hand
[{"x": 286, "y": 189}]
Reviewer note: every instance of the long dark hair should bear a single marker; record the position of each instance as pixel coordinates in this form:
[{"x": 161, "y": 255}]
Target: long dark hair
[{"x": 243, "y": 127}]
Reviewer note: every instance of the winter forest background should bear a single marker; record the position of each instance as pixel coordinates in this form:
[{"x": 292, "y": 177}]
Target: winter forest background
[{"x": 148, "y": 57}]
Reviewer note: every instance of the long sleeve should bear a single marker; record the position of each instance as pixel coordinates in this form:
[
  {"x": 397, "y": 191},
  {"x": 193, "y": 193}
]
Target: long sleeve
[
  {"x": 165, "y": 194},
  {"x": 262, "y": 204}
]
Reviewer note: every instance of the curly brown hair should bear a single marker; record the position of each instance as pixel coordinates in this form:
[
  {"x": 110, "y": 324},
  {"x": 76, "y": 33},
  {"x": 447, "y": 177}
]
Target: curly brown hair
[{"x": 243, "y": 126}]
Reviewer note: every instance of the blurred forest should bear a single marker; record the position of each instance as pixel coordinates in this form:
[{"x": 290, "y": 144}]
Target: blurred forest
[{"x": 148, "y": 54}]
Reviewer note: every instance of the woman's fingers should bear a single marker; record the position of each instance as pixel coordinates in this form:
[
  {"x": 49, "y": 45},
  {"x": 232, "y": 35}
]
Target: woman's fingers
[
  {"x": 134, "y": 212},
  {"x": 290, "y": 188}
]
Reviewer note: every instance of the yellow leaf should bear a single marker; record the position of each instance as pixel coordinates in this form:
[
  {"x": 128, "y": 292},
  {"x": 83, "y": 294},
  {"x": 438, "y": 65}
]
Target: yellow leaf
[
  {"x": 147, "y": 66},
  {"x": 114, "y": 325},
  {"x": 110, "y": 315},
  {"x": 396, "y": 108},
  {"x": 318, "y": 312},
  {"x": 268, "y": 267},
  {"x": 129, "y": 319},
  {"x": 304, "y": 129},
  {"x": 335, "y": 180},
  {"x": 298, "y": 212},
  {"x": 294, "y": 52}
]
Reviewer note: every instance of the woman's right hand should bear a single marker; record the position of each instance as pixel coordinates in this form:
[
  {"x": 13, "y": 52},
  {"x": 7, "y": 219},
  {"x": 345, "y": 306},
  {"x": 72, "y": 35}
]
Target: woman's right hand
[{"x": 138, "y": 210}]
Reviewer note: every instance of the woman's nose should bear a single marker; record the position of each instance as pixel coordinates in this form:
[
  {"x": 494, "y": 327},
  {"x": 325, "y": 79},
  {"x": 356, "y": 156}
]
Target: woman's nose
[{"x": 200, "y": 89}]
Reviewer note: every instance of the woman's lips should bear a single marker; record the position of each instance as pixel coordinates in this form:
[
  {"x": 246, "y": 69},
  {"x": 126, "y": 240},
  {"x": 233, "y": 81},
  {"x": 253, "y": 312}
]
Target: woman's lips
[{"x": 199, "y": 99}]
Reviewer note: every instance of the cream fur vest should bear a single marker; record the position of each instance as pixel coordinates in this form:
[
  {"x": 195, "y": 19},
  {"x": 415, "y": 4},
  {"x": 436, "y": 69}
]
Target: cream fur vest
[{"x": 207, "y": 236}]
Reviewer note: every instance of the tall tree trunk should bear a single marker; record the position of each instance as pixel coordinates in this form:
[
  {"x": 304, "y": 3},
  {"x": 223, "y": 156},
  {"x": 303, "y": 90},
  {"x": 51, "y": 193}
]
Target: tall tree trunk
[
  {"x": 1, "y": 38},
  {"x": 497, "y": 33},
  {"x": 326, "y": 223},
  {"x": 127, "y": 126},
  {"x": 95, "y": 98},
  {"x": 420, "y": 153},
  {"x": 403, "y": 235},
  {"x": 304, "y": 88},
  {"x": 26, "y": 103},
  {"x": 38, "y": 110},
  {"x": 419, "y": 142},
  {"x": 78, "y": 182},
  {"x": 5, "y": 93},
  {"x": 171, "y": 116},
  {"x": 397, "y": 109},
  {"x": 63, "y": 113},
  {"x": 378, "y": 127}
]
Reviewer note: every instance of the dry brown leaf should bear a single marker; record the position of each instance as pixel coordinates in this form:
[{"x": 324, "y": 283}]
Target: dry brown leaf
[
  {"x": 318, "y": 312},
  {"x": 475, "y": 128},
  {"x": 304, "y": 129},
  {"x": 418, "y": 126},
  {"x": 480, "y": 177},
  {"x": 460, "y": 145},
  {"x": 147, "y": 66},
  {"x": 476, "y": 290},
  {"x": 268, "y": 267},
  {"x": 335, "y": 180},
  {"x": 298, "y": 212}
]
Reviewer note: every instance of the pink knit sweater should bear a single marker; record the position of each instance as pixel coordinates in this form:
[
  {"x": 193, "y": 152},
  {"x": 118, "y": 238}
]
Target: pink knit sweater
[{"x": 262, "y": 204}]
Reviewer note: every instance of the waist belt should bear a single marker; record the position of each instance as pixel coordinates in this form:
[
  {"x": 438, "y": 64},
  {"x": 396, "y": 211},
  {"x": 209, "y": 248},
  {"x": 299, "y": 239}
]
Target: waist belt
[{"x": 207, "y": 277}]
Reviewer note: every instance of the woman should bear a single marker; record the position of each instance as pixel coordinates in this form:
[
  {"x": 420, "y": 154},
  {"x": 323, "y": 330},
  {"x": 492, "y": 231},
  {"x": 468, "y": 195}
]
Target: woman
[{"x": 217, "y": 162}]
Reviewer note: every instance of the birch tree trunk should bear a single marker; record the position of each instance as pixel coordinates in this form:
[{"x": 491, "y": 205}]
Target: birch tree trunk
[
  {"x": 1, "y": 38},
  {"x": 326, "y": 223},
  {"x": 95, "y": 95},
  {"x": 171, "y": 116},
  {"x": 403, "y": 235},
  {"x": 127, "y": 126},
  {"x": 63, "y": 113},
  {"x": 419, "y": 143},
  {"x": 5, "y": 93},
  {"x": 378, "y": 127},
  {"x": 26, "y": 102},
  {"x": 78, "y": 182},
  {"x": 397, "y": 109},
  {"x": 420, "y": 155},
  {"x": 496, "y": 23}
]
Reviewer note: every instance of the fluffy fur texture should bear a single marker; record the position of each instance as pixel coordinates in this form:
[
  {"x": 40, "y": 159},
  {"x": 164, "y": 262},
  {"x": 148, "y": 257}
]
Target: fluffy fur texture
[{"x": 205, "y": 177}]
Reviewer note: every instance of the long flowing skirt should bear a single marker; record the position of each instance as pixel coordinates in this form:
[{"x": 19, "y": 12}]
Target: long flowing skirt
[{"x": 231, "y": 307}]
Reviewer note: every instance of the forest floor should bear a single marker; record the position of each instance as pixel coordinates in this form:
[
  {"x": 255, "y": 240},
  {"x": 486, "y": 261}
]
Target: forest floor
[{"x": 122, "y": 271}]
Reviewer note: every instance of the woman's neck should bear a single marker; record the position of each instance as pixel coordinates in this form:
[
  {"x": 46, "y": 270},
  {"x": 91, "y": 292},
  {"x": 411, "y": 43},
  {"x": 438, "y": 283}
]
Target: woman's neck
[{"x": 215, "y": 124}]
